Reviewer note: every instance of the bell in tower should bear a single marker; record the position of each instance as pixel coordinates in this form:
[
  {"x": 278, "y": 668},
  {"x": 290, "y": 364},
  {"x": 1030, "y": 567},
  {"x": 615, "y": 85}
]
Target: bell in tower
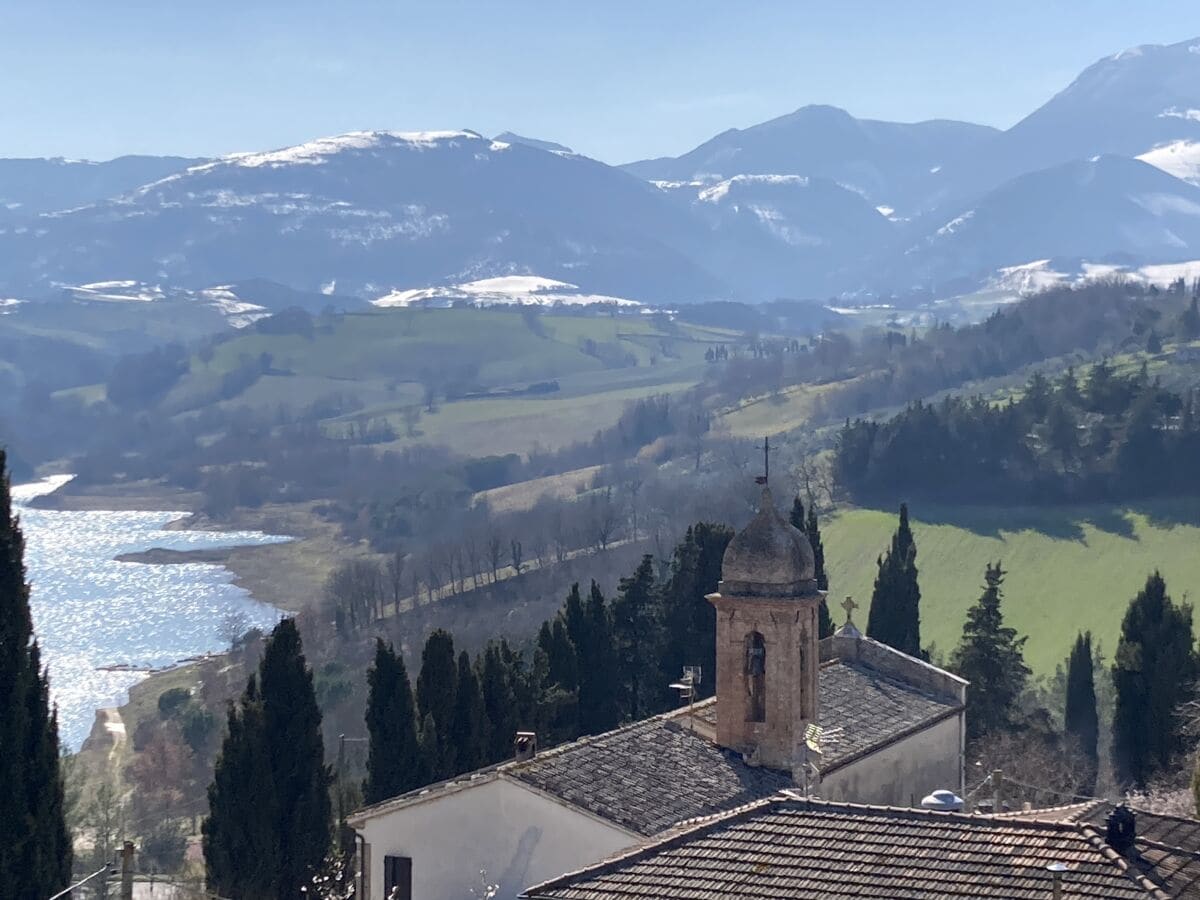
[{"x": 767, "y": 653}]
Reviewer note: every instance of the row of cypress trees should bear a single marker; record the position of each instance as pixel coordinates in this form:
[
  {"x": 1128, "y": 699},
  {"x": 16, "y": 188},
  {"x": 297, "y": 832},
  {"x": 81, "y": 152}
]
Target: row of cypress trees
[
  {"x": 1155, "y": 667},
  {"x": 35, "y": 845}
]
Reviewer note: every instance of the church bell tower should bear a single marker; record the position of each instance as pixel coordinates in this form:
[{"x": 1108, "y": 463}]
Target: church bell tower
[{"x": 767, "y": 653}]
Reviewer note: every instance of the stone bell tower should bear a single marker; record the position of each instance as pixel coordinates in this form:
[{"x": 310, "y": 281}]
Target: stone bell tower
[{"x": 767, "y": 653}]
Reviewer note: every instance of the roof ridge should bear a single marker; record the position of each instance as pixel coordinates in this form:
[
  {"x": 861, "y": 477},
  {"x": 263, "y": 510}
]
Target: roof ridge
[
  {"x": 1102, "y": 847},
  {"x": 917, "y": 812}
]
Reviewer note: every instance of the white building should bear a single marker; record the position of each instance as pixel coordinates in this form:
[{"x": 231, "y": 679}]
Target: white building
[{"x": 893, "y": 732}]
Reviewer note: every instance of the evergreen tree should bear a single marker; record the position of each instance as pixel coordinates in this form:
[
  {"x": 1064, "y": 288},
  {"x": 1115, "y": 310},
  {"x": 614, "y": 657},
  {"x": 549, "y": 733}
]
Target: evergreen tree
[
  {"x": 1154, "y": 667},
  {"x": 393, "y": 763},
  {"x": 689, "y": 622},
  {"x": 268, "y": 828},
  {"x": 240, "y": 852},
  {"x": 895, "y": 615},
  {"x": 1082, "y": 722},
  {"x": 435, "y": 695},
  {"x": 813, "y": 529},
  {"x": 808, "y": 524},
  {"x": 35, "y": 846},
  {"x": 468, "y": 723},
  {"x": 1189, "y": 322},
  {"x": 599, "y": 707},
  {"x": 561, "y": 662},
  {"x": 990, "y": 657},
  {"x": 498, "y": 704},
  {"x": 635, "y": 614},
  {"x": 430, "y": 754}
]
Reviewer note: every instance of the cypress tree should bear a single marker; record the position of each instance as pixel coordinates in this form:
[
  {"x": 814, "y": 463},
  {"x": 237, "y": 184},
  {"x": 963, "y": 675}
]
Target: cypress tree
[
  {"x": 35, "y": 846},
  {"x": 240, "y": 851},
  {"x": 1081, "y": 721},
  {"x": 498, "y": 704},
  {"x": 1155, "y": 665},
  {"x": 635, "y": 617},
  {"x": 435, "y": 694},
  {"x": 430, "y": 755},
  {"x": 268, "y": 828},
  {"x": 393, "y": 764},
  {"x": 895, "y": 614},
  {"x": 813, "y": 529},
  {"x": 599, "y": 708},
  {"x": 990, "y": 656},
  {"x": 468, "y": 731}
]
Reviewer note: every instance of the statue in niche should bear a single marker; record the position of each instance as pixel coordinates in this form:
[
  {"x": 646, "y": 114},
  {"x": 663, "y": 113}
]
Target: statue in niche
[{"x": 756, "y": 678}]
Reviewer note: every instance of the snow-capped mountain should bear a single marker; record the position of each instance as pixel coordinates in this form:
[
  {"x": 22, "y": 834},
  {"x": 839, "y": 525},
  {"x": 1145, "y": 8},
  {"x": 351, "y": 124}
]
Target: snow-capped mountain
[
  {"x": 509, "y": 137},
  {"x": 1129, "y": 104},
  {"x": 1110, "y": 209},
  {"x": 378, "y": 209},
  {"x": 880, "y": 160},
  {"x": 781, "y": 230}
]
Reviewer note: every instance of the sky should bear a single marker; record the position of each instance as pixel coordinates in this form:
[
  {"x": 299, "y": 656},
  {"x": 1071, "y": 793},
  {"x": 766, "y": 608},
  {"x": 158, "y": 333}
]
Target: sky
[{"x": 615, "y": 80}]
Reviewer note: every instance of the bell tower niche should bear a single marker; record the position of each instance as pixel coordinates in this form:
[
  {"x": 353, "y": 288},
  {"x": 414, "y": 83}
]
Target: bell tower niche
[{"x": 767, "y": 653}]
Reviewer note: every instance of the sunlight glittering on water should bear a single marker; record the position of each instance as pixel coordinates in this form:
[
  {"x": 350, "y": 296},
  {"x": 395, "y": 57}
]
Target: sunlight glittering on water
[{"x": 90, "y": 611}]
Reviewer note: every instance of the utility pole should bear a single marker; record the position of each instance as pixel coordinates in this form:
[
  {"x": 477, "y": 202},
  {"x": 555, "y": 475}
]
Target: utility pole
[
  {"x": 997, "y": 791},
  {"x": 127, "y": 871}
]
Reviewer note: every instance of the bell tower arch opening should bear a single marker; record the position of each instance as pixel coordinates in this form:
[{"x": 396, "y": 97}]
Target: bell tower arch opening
[{"x": 756, "y": 677}]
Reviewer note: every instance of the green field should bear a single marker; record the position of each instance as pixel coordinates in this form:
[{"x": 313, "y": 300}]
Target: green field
[
  {"x": 384, "y": 358},
  {"x": 1070, "y": 568}
]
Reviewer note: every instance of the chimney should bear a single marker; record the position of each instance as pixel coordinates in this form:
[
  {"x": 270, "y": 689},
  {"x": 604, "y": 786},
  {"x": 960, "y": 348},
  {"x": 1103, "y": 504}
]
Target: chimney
[
  {"x": 1121, "y": 829},
  {"x": 525, "y": 746}
]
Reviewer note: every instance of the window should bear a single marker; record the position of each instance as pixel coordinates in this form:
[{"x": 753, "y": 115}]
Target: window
[
  {"x": 397, "y": 873},
  {"x": 756, "y": 678}
]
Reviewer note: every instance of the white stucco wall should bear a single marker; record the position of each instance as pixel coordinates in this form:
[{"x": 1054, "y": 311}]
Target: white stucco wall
[
  {"x": 518, "y": 836},
  {"x": 904, "y": 772}
]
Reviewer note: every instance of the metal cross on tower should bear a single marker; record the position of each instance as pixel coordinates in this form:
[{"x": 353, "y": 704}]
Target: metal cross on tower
[{"x": 766, "y": 475}]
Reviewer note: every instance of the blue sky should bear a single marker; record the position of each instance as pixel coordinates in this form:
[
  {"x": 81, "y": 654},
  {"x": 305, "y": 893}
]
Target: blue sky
[{"x": 615, "y": 80}]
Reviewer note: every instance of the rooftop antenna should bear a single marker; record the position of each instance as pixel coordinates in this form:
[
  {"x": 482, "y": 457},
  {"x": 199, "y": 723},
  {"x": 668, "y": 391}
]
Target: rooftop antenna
[
  {"x": 687, "y": 685},
  {"x": 766, "y": 475}
]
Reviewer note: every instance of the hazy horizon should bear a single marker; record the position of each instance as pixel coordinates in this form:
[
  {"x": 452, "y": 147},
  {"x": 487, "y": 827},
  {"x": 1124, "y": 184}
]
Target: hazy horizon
[{"x": 631, "y": 83}]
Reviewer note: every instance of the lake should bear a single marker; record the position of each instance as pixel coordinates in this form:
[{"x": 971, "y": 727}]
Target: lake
[{"x": 90, "y": 611}]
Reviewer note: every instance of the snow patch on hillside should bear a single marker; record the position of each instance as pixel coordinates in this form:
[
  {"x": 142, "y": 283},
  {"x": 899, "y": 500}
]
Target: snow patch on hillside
[
  {"x": 1040, "y": 275},
  {"x": 719, "y": 191},
  {"x": 1179, "y": 158},
  {"x": 503, "y": 290},
  {"x": 238, "y": 312}
]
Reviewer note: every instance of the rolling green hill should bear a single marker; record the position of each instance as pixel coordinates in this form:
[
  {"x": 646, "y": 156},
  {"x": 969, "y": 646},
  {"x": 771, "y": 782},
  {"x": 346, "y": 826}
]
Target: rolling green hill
[
  {"x": 480, "y": 363},
  {"x": 1070, "y": 568}
]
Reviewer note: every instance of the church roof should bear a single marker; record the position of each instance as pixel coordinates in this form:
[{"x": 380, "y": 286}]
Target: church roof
[
  {"x": 868, "y": 708},
  {"x": 769, "y": 557},
  {"x": 787, "y": 846},
  {"x": 649, "y": 775}
]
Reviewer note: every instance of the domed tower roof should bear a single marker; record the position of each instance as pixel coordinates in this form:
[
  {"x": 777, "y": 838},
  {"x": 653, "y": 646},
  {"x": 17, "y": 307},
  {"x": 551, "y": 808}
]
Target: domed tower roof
[{"x": 769, "y": 558}]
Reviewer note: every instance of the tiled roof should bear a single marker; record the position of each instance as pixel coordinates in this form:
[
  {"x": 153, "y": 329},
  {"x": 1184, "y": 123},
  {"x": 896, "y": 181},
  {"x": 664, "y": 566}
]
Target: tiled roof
[
  {"x": 648, "y": 776},
  {"x": 652, "y": 774},
  {"x": 1166, "y": 850},
  {"x": 808, "y": 849},
  {"x": 870, "y": 709}
]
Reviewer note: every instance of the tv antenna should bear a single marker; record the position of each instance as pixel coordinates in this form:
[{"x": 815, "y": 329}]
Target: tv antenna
[{"x": 687, "y": 686}]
